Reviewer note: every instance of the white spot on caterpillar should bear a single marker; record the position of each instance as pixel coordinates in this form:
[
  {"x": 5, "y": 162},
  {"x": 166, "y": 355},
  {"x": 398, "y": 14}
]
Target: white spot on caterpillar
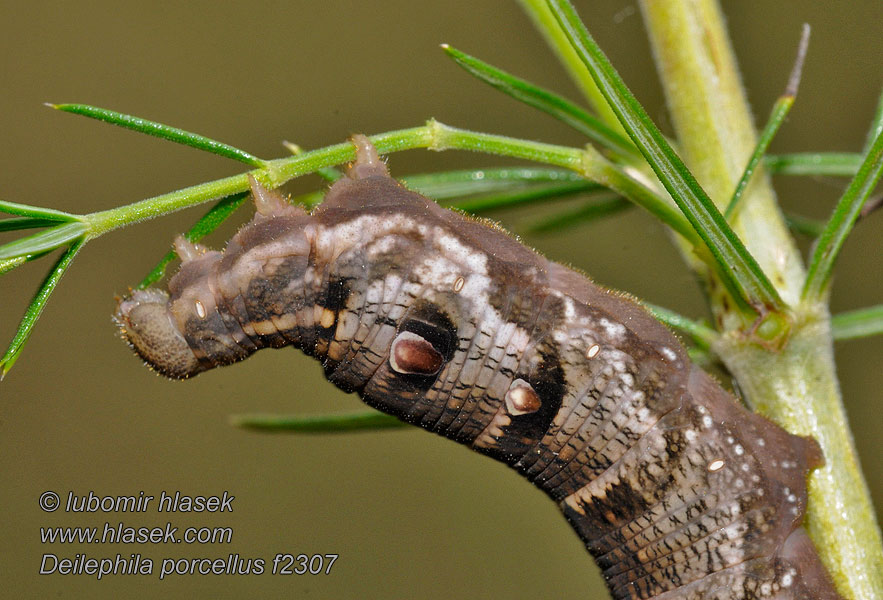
[
  {"x": 715, "y": 465},
  {"x": 593, "y": 351},
  {"x": 613, "y": 330},
  {"x": 200, "y": 309},
  {"x": 472, "y": 257},
  {"x": 691, "y": 435},
  {"x": 739, "y": 450},
  {"x": 458, "y": 284},
  {"x": 787, "y": 580},
  {"x": 706, "y": 421},
  {"x": 668, "y": 353},
  {"x": 569, "y": 310}
]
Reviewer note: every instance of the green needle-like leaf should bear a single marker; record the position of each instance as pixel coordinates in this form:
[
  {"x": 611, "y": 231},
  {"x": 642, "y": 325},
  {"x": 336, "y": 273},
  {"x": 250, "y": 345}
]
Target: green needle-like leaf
[
  {"x": 876, "y": 125},
  {"x": 703, "y": 335},
  {"x": 24, "y": 210},
  {"x": 524, "y": 196},
  {"x": 842, "y": 220},
  {"x": 36, "y": 307},
  {"x": 19, "y": 223},
  {"x": 166, "y": 132},
  {"x": 207, "y": 224},
  {"x": 863, "y": 322},
  {"x": 361, "y": 421},
  {"x": 842, "y": 164},
  {"x": 590, "y": 211},
  {"x": 46, "y": 240},
  {"x": 546, "y": 101},
  {"x": 736, "y": 267},
  {"x": 804, "y": 225},
  {"x": 456, "y": 184},
  {"x": 8, "y": 264},
  {"x": 777, "y": 117}
]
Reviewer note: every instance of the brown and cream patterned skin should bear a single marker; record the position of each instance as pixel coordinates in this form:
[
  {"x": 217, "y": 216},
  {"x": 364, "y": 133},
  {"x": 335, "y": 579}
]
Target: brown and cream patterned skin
[{"x": 451, "y": 324}]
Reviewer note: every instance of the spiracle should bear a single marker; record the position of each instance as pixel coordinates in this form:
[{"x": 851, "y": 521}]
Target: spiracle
[{"x": 452, "y": 325}]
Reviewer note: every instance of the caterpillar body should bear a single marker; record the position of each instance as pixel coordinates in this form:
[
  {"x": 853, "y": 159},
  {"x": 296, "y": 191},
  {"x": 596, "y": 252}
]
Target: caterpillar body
[{"x": 454, "y": 326}]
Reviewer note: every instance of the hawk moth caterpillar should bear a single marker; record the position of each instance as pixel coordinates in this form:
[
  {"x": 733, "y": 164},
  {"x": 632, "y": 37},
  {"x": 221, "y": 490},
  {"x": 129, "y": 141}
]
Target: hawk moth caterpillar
[{"x": 452, "y": 325}]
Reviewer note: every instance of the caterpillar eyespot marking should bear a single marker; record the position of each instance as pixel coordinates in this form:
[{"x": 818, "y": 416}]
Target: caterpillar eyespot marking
[{"x": 450, "y": 324}]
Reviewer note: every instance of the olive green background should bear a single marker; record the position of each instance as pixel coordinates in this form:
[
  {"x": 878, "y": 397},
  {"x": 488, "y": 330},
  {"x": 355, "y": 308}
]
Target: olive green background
[{"x": 411, "y": 515}]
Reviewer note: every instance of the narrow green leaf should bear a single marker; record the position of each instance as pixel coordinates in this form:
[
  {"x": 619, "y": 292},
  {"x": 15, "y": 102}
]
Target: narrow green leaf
[
  {"x": 548, "y": 26},
  {"x": 19, "y": 223},
  {"x": 780, "y": 110},
  {"x": 361, "y": 421},
  {"x": 24, "y": 210},
  {"x": 703, "y": 335},
  {"x": 804, "y": 225},
  {"x": 38, "y": 302},
  {"x": 8, "y": 264},
  {"x": 589, "y": 211},
  {"x": 524, "y": 196},
  {"x": 46, "y": 240},
  {"x": 876, "y": 125},
  {"x": 455, "y": 184},
  {"x": 504, "y": 181},
  {"x": 210, "y": 221},
  {"x": 166, "y": 132},
  {"x": 863, "y": 322},
  {"x": 842, "y": 220},
  {"x": 544, "y": 100},
  {"x": 844, "y": 164},
  {"x": 736, "y": 267}
]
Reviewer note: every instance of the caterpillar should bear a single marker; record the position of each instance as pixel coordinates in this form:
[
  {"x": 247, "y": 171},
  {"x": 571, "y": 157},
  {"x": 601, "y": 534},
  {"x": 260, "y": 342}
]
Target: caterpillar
[{"x": 452, "y": 325}]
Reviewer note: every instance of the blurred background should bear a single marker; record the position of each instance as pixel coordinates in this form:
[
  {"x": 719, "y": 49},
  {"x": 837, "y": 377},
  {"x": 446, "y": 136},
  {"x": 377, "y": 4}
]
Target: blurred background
[{"x": 410, "y": 514}]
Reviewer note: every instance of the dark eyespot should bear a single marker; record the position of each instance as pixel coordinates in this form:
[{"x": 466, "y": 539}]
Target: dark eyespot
[
  {"x": 522, "y": 399},
  {"x": 412, "y": 354}
]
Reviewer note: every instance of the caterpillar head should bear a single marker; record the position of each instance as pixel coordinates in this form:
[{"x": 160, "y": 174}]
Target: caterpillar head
[
  {"x": 185, "y": 331},
  {"x": 148, "y": 326}
]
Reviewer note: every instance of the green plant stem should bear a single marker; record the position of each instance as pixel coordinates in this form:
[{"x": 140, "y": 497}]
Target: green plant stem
[
  {"x": 842, "y": 164},
  {"x": 746, "y": 282},
  {"x": 716, "y": 137},
  {"x": 796, "y": 387},
  {"x": 435, "y": 136}
]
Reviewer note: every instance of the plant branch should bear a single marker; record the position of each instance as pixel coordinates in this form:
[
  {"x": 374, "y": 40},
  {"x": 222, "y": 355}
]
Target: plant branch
[{"x": 716, "y": 136}]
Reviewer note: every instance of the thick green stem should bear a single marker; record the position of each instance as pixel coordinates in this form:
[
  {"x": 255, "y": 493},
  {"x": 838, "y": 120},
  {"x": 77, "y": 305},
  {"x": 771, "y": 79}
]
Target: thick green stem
[
  {"x": 795, "y": 385},
  {"x": 797, "y": 388},
  {"x": 715, "y": 131}
]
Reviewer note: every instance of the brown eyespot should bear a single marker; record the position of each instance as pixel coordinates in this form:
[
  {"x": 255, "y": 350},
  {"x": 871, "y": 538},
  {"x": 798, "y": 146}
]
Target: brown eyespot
[
  {"x": 413, "y": 355},
  {"x": 522, "y": 399}
]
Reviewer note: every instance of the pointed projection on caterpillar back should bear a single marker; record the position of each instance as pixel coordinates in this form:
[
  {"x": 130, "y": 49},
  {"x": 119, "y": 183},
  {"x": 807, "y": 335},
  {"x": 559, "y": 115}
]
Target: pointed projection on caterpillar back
[{"x": 454, "y": 326}]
